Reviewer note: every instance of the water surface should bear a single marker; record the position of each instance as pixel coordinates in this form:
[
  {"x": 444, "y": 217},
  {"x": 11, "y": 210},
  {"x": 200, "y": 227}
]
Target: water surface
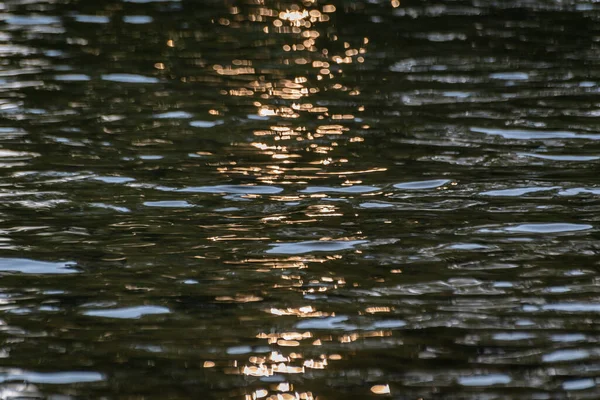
[{"x": 270, "y": 199}]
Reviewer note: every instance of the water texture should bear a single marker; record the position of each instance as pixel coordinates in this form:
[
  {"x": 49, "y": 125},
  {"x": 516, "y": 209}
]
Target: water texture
[{"x": 231, "y": 199}]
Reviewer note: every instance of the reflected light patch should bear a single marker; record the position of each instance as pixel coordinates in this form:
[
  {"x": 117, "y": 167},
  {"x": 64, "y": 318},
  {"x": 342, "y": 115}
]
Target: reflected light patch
[
  {"x": 373, "y": 310},
  {"x": 381, "y": 389},
  {"x": 239, "y": 298},
  {"x": 303, "y": 312}
]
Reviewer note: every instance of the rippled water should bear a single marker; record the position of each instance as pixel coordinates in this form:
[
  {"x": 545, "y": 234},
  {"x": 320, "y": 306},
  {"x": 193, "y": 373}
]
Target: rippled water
[{"x": 281, "y": 200}]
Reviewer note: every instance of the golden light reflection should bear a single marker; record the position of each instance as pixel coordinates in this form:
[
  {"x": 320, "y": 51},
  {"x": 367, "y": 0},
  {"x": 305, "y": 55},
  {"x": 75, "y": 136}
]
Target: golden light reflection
[
  {"x": 275, "y": 263},
  {"x": 310, "y": 56},
  {"x": 315, "y": 364},
  {"x": 302, "y": 312},
  {"x": 373, "y": 310},
  {"x": 381, "y": 389},
  {"x": 302, "y": 110},
  {"x": 294, "y": 362},
  {"x": 281, "y": 396},
  {"x": 239, "y": 298},
  {"x": 295, "y": 17}
]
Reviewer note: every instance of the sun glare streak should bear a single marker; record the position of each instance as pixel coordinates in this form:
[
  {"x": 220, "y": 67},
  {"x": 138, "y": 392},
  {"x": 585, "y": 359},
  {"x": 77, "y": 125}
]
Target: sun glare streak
[
  {"x": 285, "y": 96},
  {"x": 295, "y": 138}
]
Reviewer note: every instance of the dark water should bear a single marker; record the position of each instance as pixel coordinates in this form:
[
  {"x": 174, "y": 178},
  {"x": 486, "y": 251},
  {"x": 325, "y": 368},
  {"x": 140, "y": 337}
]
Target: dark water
[{"x": 297, "y": 200}]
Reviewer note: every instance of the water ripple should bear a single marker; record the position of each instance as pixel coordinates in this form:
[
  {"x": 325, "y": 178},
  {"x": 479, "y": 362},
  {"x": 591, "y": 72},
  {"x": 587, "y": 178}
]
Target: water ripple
[
  {"x": 314, "y": 245},
  {"x": 127, "y": 312},
  {"x": 129, "y": 78},
  {"x": 27, "y": 266}
]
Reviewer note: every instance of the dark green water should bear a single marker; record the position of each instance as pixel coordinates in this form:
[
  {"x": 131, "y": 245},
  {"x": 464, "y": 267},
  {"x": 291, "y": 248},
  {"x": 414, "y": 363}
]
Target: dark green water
[{"x": 284, "y": 200}]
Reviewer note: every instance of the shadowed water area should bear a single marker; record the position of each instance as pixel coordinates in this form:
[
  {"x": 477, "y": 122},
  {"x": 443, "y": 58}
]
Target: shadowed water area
[{"x": 261, "y": 199}]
